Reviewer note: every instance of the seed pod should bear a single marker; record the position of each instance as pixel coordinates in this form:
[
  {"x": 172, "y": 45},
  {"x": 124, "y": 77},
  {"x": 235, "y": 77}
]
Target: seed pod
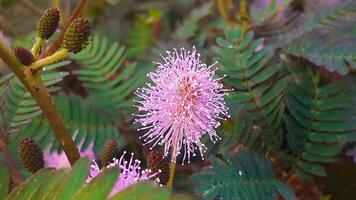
[
  {"x": 31, "y": 155},
  {"x": 48, "y": 23},
  {"x": 77, "y": 35},
  {"x": 155, "y": 162},
  {"x": 24, "y": 56},
  {"x": 109, "y": 152}
]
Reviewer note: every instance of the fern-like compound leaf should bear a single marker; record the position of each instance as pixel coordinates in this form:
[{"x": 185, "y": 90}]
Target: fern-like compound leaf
[
  {"x": 320, "y": 117},
  {"x": 242, "y": 176},
  {"x": 17, "y": 105},
  {"x": 104, "y": 74},
  {"x": 88, "y": 122},
  {"x": 259, "y": 87},
  {"x": 329, "y": 50},
  {"x": 326, "y": 16}
]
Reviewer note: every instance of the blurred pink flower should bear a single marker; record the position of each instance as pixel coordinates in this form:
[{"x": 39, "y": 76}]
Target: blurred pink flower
[
  {"x": 184, "y": 103},
  {"x": 352, "y": 152},
  {"x": 4, "y": 38},
  {"x": 59, "y": 160},
  {"x": 263, "y": 3},
  {"x": 332, "y": 2},
  {"x": 130, "y": 173}
]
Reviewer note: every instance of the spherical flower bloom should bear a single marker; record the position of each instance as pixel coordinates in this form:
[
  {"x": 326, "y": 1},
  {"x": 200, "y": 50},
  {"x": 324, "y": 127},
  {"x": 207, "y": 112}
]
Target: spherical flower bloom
[
  {"x": 184, "y": 103},
  {"x": 130, "y": 173}
]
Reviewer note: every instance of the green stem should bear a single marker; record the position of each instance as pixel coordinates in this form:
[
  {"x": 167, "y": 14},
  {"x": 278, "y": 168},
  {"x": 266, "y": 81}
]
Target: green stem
[
  {"x": 244, "y": 17},
  {"x": 4, "y": 147},
  {"x": 57, "y": 3},
  {"x": 39, "y": 92},
  {"x": 50, "y": 59},
  {"x": 172, "y": 169},
  {"x": 36, "y": 47},
  {"x": 222, "y": 11}
]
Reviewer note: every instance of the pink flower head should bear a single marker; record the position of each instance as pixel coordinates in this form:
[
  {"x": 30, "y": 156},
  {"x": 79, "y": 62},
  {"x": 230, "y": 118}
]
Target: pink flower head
[
  {"x": 130, "y": 173},
  {"x": 184, "y": 103}
]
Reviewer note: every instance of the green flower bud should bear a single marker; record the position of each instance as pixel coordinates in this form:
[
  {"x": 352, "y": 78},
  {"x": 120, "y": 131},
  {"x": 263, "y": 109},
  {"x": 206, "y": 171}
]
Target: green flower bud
[
  {"x": 77, "y": 35},
  {"x": 48, "y": 23}
]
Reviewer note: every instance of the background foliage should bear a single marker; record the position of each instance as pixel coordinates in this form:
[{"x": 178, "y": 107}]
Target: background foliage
[{"x": 290, "y": 62}]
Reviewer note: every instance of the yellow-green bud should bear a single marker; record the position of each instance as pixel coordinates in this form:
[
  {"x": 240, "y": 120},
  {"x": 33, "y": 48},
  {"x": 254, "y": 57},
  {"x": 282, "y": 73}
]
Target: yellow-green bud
[
  {"x": 48, "y": 23},
  {"x": 77, "y": 35}
]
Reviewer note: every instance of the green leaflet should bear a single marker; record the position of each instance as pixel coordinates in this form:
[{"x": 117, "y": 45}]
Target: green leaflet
[
  {"x": 4, "y": 183},
  {"x": 32, "y": 186},
  {"x": 245, "y": 175},
  {"x": 99, "y": 187},
  {"x": 75, "y": 180},
  {"x": 143, "y": 191}
]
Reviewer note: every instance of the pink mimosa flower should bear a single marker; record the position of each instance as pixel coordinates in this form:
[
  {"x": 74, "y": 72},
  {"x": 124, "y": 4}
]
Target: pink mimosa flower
[
  {"x": 184, "y": 103},
  {"x": 130, "y": 173}
]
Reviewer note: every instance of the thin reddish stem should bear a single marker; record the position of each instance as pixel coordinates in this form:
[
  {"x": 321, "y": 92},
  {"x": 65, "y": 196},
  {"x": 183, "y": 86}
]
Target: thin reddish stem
[{"x": 4, "y": 143}]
